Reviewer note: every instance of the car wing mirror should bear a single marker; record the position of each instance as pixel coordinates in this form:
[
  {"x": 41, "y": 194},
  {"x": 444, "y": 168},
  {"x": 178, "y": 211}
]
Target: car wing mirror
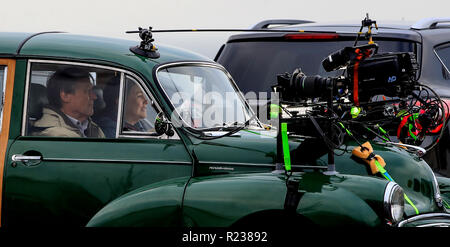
[{"x": 163, "y": 126}]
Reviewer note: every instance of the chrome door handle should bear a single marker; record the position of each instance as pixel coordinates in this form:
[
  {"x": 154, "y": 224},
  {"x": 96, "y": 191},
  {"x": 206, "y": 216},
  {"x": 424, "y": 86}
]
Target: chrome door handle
[{"x": 24, "y": 158}]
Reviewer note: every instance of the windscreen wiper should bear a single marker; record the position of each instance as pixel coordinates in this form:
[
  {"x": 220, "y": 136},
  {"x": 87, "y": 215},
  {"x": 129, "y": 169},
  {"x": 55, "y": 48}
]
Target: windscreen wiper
[{"x": 202, "y": 133}]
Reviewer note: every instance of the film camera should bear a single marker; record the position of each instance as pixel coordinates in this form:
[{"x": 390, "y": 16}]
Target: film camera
[
  {"x": 366, "y": 75},
  {"x": 410, "y": 115},
  {"x": 345, "y": 107}
]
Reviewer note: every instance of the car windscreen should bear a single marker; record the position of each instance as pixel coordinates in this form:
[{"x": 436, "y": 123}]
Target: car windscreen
[
  {"x": 204, "y": 96},
  {"x": 254, "y": 65}
]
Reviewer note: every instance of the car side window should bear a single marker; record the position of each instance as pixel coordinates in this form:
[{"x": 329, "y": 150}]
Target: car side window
[
  {"x": 443, "y": 53},
  {"x": 139, "y": 114},
  {"x": 66, "y": 100}
]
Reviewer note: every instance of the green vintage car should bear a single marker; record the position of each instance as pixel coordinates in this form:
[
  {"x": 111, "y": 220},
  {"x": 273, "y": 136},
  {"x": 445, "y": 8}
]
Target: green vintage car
[{"x": 142, "y": 153}]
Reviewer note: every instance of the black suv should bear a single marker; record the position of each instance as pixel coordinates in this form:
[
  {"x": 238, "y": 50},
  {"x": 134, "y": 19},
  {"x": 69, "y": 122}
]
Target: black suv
[{"x": 255, "y": 59}]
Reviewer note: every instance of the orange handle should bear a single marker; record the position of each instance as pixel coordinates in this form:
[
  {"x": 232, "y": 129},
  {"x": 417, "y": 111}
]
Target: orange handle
[{"x": 367, "y": 155}]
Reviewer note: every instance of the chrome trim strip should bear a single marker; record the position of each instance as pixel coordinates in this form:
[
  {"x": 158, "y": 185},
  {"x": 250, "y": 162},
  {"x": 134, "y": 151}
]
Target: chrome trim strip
[
  {"x": 120, "y": 161},
  {"x": 436, "y": 225},
  {"x": 437, "y": 190},
  {"x": 423, "y": 216},
  {"x": 256, "y": 164},
  {"x": 145, "y": 135},
  {"x": 422, "y": 150},
  {"x": 25, "y": 99},
  {"x": 120, "y": 105},
  {"x": 5, "y": 73},
  {"x": 233, "y": 163},
  {"x": 77, "y": 64},
  {"x": 221, "y": 168},
  {"x": 310, "y": 167},
  {"x": 29, "y": 37}
]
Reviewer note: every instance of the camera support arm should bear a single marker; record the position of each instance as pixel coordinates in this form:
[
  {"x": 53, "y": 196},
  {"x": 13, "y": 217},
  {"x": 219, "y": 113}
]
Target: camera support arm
[
  {"x": 331, "y": 166},
  {"x": 366, "y": 23}
]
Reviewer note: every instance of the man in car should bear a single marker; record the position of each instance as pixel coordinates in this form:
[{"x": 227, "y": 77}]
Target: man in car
[{"x": 71, "y": 104}]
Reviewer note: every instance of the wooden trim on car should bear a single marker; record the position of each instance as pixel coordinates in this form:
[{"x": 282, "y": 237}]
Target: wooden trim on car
[{"x": 4, "y": 134}]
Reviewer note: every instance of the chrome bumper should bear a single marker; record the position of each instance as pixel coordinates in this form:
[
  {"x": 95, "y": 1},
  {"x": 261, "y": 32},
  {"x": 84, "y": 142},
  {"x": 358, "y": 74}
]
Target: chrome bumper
[{"x": 427, "y": 220}]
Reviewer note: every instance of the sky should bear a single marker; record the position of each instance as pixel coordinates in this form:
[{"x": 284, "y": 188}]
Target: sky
[{"x": 111, "y": 18}]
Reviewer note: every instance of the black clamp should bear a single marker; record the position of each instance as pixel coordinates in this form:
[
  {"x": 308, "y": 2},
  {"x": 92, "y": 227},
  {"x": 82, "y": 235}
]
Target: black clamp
[
  {"x": 293, "y": 196},
  {"x": 371, "y": 156}
]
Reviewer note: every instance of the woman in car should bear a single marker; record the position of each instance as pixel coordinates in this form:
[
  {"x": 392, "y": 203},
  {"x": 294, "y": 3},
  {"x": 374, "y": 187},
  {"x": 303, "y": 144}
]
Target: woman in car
[{"x": 135, "y": 110}]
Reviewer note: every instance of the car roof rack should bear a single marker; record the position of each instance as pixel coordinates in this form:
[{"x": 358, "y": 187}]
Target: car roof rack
[
  {"x": 265, "y": 24},
  {"x": 429, "y": 23}
]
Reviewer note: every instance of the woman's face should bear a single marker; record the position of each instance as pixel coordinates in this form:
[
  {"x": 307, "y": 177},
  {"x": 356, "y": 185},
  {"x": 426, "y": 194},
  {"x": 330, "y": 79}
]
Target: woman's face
[{"x": 136, "y": 105}]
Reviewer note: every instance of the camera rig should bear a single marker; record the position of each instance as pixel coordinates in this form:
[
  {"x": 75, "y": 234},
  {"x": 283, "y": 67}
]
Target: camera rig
[
  {"x": 407, "y": 112},
  {"x": 377, "y": 96}
]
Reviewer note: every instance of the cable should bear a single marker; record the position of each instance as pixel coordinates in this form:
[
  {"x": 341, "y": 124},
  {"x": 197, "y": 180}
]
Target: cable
[{"x": 443, "y": 117}]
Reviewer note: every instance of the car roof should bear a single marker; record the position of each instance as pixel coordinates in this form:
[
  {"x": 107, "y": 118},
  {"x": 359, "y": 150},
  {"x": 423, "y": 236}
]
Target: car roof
[
  {"x": 342, "y": 31},
  {"x": 84, "y": 47},
  {"x": 349, "y": 24},
  {"x": 386, "y": 29},
  {"x": 11, "y": 41}
]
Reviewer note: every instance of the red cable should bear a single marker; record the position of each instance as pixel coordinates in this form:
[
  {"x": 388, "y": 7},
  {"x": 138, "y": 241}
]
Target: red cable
[{"x": 355, "y": 84}]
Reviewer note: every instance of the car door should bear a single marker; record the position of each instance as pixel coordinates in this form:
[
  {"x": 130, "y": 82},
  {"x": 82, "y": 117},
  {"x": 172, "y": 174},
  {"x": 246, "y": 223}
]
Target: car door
[{"x": 54, "y": 177}]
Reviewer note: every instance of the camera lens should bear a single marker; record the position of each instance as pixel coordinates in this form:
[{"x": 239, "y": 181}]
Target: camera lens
[
  {"x": 310, "y": 86},
  {"x": 298, "y": 86}
]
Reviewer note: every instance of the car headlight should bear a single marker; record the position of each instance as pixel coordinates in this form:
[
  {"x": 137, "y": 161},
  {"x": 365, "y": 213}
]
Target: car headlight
[{"x": 394, "y": 202}]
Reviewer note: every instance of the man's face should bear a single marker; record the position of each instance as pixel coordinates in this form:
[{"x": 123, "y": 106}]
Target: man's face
[{"x": 80, "y": 103}]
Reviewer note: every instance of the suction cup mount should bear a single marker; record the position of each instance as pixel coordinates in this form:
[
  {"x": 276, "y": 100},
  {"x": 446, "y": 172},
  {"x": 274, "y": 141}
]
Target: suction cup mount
[{"x": 145, "y": 48}]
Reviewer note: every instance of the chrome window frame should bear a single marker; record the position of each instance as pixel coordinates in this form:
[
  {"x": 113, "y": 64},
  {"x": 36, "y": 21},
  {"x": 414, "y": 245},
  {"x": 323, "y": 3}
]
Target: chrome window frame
[
  {"x": 5, "y": 75},
  {"x": 137, "y": 134},
  {"x": 201, "y": 64},
  {"x": 119, "y": 112}
]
